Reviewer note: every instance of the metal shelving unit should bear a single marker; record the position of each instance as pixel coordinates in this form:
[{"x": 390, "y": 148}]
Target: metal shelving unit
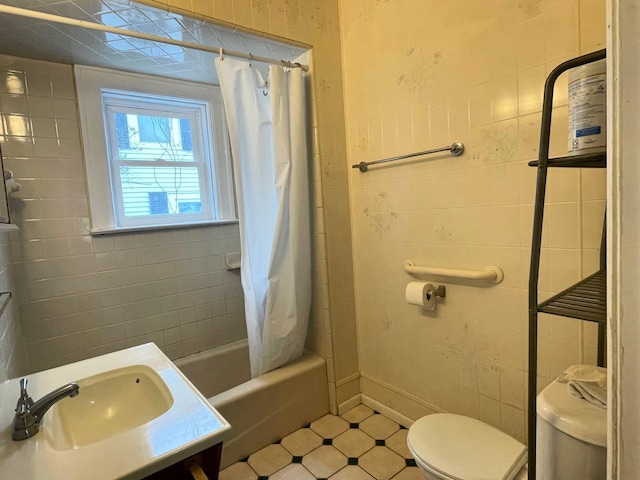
[
  {"x": 586, "y": 300},
  {"x": 592, "y": 160}
]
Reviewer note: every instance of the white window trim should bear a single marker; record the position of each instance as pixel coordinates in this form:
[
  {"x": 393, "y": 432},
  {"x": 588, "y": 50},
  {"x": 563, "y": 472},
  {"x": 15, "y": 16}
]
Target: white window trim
[
  {"x": 202, "y": 148},
  {"x": 90, "y": 81}
]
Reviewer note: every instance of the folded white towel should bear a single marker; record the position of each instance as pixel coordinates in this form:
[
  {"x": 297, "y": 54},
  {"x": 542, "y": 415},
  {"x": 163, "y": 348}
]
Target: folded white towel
[{"x": 588, "y": 382}]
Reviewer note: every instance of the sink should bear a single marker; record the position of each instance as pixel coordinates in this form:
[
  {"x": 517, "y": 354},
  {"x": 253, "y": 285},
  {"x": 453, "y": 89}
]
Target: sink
[
  {"x": 109, "y": 403},
  {"x": 136, "y": 414}
]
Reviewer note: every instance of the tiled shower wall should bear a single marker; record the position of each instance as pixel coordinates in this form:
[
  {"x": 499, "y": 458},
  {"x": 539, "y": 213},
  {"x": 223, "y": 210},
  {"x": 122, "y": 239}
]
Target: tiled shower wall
[
  {"x": 87, "y": 295},
  {"x": 332, "y": 331},
  {"x": 433, "y": 73},
  {"x": 82, "y": 296},
  {"x": 13, "y": 357}
]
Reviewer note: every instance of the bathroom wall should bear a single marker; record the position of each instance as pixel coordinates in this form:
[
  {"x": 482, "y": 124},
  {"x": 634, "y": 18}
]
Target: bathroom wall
[
  {"x": 422, "y": 74},
  {"x": 13, "y": 355},
  {"x": 86, "y": 295},
  {"x": 332, "y": 330},
  {"x": 79, "y": 295}
]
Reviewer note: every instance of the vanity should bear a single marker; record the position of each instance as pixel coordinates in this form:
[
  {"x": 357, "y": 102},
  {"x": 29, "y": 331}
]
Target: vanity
[{"x": 135, "y": 416}]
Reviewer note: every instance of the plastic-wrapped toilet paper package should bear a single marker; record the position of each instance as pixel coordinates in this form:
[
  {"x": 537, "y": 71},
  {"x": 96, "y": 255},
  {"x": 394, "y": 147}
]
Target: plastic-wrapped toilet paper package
[{"x": 588, "y": 108}]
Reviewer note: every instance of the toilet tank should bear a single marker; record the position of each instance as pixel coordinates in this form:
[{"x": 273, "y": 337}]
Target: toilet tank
[{"x": 571, "y": 440}]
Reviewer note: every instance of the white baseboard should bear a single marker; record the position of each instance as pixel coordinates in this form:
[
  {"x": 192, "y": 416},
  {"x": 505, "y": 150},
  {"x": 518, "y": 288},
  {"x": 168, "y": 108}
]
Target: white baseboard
[
  {"x": 387, "y": 411},
  {"x": 349, "y": 404},
  {"x": 406, "y": 407}
]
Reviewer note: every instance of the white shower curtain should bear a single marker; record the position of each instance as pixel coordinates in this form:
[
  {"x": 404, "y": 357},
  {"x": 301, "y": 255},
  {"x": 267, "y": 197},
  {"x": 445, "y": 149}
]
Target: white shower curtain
[{"x": 269, "y": 148}]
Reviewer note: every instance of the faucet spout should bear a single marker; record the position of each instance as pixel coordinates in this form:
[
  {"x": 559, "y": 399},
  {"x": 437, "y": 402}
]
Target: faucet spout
[
  {"x": 29, "y": 414},
  {"x": 39, "y": 408}
]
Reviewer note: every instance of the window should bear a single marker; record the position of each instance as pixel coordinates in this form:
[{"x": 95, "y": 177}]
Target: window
[{"x": 154, "y": 158}]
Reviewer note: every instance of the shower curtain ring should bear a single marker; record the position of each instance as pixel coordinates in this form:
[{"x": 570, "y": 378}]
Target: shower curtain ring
[
  {"x": 221, "y": 53},
  {"x": 250, "y": 60}
]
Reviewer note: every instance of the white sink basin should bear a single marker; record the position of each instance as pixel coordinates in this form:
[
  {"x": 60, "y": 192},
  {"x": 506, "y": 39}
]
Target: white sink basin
[
  {"x": 108, "y": 404},
  {"x": 135, "y": 415}
]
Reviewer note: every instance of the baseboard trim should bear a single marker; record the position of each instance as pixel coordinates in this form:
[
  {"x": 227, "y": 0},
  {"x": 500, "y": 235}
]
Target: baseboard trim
[
  {"x": 386, "y": 411},
  {"x": 349, "y": 404},
  {"x": 348, "y": 379},
  {"x": 406, "y": 406}
]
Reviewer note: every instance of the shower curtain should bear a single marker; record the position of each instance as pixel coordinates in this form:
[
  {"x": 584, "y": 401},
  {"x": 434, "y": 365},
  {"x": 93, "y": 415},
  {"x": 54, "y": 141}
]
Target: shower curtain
[{"x": 267, "y": 130}]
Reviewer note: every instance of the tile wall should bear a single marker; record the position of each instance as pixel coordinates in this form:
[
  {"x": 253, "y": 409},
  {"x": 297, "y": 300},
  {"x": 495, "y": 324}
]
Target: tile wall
[
  {"x": 332, "y": 328},
  {"x": 13, "y": 355},
  {"x": 82, "y": 296},
  {"x": 421, "y": 75}
]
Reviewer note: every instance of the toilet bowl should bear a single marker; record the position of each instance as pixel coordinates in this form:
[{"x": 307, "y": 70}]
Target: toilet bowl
[
  {"x": 446, "y": 446},
  {"x": 571, "y": 443}
]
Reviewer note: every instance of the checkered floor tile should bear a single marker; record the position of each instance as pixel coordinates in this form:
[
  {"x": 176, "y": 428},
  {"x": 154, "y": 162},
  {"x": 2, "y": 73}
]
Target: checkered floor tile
[{"x": 359, "y": 445}]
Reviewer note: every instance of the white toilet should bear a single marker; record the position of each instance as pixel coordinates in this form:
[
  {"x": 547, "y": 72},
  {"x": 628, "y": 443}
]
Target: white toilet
[{"x": 571, "y": 443}]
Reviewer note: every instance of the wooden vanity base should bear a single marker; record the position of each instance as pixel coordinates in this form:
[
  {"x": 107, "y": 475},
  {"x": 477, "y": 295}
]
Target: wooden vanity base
[{"x": 209, "y": 461}]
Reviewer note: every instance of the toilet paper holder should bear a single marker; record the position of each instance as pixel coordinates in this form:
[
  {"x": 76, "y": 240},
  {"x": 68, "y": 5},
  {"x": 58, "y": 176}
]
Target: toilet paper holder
[{"x": 440, "y": 291}]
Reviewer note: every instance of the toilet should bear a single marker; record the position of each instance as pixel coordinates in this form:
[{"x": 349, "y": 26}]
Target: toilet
[
  {"x": 571, "y": 436},
  {"x": 571, "y": 443},
  {"x": 446, "y": 446}
]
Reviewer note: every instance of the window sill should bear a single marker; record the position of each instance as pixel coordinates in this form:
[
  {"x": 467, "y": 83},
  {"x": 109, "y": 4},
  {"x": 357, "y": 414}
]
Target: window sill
[{"x": 145, "y": 228}]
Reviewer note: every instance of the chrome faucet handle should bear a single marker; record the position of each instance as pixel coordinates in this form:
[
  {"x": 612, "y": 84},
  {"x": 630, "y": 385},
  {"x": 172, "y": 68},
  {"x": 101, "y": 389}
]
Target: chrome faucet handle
[
  {"x": 26, "y": 422},
  {"x": 25, "y": 398}
]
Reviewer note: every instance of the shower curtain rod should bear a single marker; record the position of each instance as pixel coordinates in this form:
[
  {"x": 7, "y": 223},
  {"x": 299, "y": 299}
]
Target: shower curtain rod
[{"x": 153, "y": 38}]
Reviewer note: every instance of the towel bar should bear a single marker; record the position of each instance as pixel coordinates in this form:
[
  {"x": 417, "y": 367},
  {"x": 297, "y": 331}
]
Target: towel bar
[{"x": 456, "y": 149}]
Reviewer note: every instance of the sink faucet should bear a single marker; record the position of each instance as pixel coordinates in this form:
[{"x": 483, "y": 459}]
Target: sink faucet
[{"x": 29, "y": 413}]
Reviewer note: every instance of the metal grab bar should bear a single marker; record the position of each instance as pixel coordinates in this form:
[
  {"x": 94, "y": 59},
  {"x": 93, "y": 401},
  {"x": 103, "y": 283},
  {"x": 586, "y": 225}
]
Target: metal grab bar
[
  {"x": 492, "y": 274},
  {"x": 456, "y": 149}
]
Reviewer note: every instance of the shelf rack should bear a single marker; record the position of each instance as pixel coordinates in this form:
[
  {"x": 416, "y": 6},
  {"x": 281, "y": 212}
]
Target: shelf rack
[
  {"x": 592, "y": 160},
  {"x": 586, "y": 300}
]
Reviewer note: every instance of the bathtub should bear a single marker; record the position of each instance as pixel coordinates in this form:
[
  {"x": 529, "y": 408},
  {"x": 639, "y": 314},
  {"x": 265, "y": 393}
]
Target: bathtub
[{"x": 260, "y": 410}]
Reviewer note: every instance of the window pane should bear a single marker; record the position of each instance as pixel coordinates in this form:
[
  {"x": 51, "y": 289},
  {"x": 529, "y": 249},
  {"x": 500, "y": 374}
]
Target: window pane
[
  {"x": 160, "y": 191},
  {"x": 122, "y": 131},
  {"x": 154, "y": 129},
  {"x": 185, "y": 132},
  {"x": 152, "y": 138},
  {"x": 158, "y": 203}
]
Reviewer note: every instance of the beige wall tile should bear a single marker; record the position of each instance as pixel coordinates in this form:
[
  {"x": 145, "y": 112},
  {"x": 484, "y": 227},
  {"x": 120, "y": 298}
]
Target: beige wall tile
[
  {"x": 504, "y": 97},
  {"x": 485, "y": 88},
  {"x": 593, "y": 23},
  {"x": 530, "y": 41},
  {"x": 242, "y": 12},
  {"x": 530, "y": 92},
  {"x": 480, "y": 108},
  {"x": 562, "y": 31}
]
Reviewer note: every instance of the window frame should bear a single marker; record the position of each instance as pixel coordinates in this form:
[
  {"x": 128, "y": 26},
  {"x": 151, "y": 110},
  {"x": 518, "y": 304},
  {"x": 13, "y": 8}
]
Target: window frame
[
  {"x": 132, "y": 104},
  {"x": 91, "y": 82}
]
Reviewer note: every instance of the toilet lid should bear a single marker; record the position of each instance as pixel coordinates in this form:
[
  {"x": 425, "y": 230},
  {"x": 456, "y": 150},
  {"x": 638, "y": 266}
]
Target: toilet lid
[{"x": 462, "y": 448}]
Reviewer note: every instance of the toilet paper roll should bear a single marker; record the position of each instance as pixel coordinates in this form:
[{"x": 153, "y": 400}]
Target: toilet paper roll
[{"x": 421, "y": 293}]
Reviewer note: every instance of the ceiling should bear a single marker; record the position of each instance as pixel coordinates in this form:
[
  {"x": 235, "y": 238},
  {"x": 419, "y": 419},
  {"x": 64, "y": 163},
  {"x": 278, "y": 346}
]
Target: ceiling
[{"x": 55, "y": 42}]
